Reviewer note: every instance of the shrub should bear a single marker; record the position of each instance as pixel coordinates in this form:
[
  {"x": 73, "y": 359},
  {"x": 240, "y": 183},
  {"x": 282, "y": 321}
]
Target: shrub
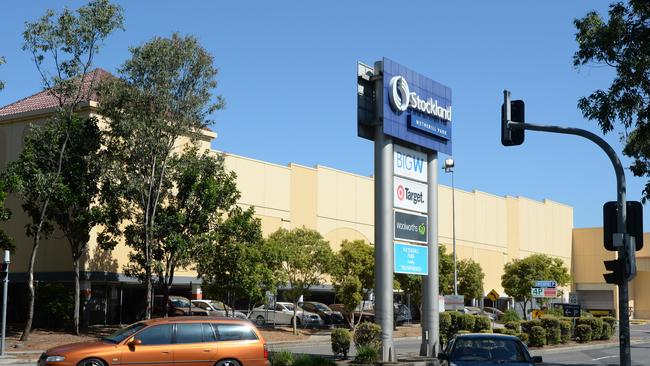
[
  {"x": 526, "y": 327},
  {"x": 55, "y": 305},
  {"x": 523, "y": 337},
  {"x": 612, "y": 323},
  {"x": 341, "y": 339},
  {"x": 565, "y": 330},
  {"x": 485, "y": 331},
  {"x": 464, "y": 332},
  {"x": 321, "y": 361},
  {"x": 282, "y": 358},
  {"x": 302, "y": 360},
  {"x": 552, "y": 326},
  {"x": 607, "y": 332},
  {"x": 367, "y": 334},
  {"x": 455, "y": 323},
  {"x": 583, "y": 333},
  {"x": 367, "y": 355},
  {"x": 499, "y": 330},
  {"x": 444, "y": 323},
  {"x": 514, "y": 325},
  {"x": 509, "y": 332},
  {"x": 554, "y": 312},
  {"x": 509, "y": 316},
  {"x": 537, "y": 336},
  {"x": 596, "y": 325},
  {"x": 466, "y": 322},
  {"x": 482, "y": 323}
]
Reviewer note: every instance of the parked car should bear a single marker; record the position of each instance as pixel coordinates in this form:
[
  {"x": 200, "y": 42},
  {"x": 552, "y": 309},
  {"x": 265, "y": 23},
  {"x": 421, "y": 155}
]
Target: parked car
[
  {"x": 478, "y": 311},
  {"x": 497, "y": 313},
  {"x": 401, "y": 313},
  {"x": 367, "y": 315},
  {"x": 176, "y": 306},
  {"x": 282, "y": 314},
  {"x": 218, "y": 308},
  {"x": 480, "y": 349},
  {"x": 329, "y": 316},
  {"x": 167, "y": 341}
]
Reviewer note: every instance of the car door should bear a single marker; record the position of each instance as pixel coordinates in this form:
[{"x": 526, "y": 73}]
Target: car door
[
  {"x": 155, "y": 347},
  {"x": 194, "y": 345},
  {"x": 282, "y": 314},
  {"x": 239, "y": 341}
]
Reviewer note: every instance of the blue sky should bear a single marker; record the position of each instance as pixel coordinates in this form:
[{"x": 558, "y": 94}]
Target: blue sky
[{"x": 287, "y": 72}]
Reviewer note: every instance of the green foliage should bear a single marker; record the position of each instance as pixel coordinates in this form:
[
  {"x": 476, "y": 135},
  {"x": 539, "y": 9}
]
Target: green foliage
[
  {"x": 163, "y": 94},
  {"x": 466, "y": 322},
  {"x": 455, "y": 323},
  {"x": 366, "y": 355},
  {"x": 444, "y": 324},
  {"x": 482, "y": 323},
  {"x": 606, "y": 332},
  {"x": 523, "y": 337},
  {"x": 526, "y": 326},
  {"x": 310, "y": 360},
  {"x": 583, "y": 333},
  {"x": 565, "y": 330},
  {"x": 499, "y": 330},
  {"x": 55, "y": 305},
  {"x": 485, "y": 331},
  {"x": 367, "y": 334},
  {"x": 353, "y": 272},
  {"x": 411, "y": 285},
  {"x": 513, "y": 325},
  {"x": 622, "y": 43},
  {"x": 2, "y": 84},
  {"x": 612, "y": 323},
  {"x": 470, "y": 279},
  {"x": 445, "y": 271},
  {"x": 596, "y": 325},
  {"x": 282, "y": 358},
  {"x": 556, "y": 312},
  {"x": 553, "y": 335},
  {"x": 537, "y": 336},
  {"x": 519, "y": 275},
  {"x": 509, "y": 316},
  {"x": 6, "y": 242},
  {"x": 341, "y": 339}
]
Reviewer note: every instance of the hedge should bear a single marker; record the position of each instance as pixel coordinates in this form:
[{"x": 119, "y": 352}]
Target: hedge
[
  {"x": 596, "y": 325},
  {"x": 515, "y": 325},
  {"x": 565, "y": 330},
  {"x": 551, "y": 325},
  {"x": 537, "y": 336},
  {"x": 482, "y": 323},
  {"x": 583, "y": 333}
]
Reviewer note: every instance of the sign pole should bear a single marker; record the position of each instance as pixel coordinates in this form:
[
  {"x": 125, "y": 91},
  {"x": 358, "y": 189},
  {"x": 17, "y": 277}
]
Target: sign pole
[
  {"x": 430, "y": 325},
  {"x": 383, "y": 232},
  {"x": 5, "y": 285}
]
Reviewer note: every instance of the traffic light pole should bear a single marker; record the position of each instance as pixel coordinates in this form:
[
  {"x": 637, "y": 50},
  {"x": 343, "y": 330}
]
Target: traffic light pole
[{"x": 623, "y": 243}]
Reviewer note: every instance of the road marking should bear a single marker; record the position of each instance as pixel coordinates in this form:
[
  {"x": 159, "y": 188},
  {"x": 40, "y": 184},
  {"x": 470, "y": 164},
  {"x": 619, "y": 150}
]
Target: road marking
[{"x": 602, "y": 358}]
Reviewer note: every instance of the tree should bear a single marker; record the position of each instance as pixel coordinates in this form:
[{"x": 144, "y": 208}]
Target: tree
[
  {"x": 164, "y": 94},
  {"x": 623, "y": 43},
  {"x": 445, "y": 271},
  {"x": 306, "y": 258},
  {"x": 6, "y": 242},
  {"x": 470, "y": 279},
  {"x": 411, "y": 285},
  {"x": 63, "y": 47},
  {"x": 2, "y": 84},
  {"x": 519, "y": 275},
  {"x": 353, "y": 273}
]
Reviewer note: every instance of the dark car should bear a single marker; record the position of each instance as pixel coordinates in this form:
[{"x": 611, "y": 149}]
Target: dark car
[
  {"x": 481, "y": 349},
  {"x": 366, "y": 315},
  {"x": 329, "y": 316},
  {"x": 176, "y": 306}
]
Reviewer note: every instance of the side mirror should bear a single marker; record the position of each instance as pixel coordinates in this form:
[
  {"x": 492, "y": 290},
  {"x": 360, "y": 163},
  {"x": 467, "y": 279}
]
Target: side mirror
[
  {"x": 134, "y": 342},
  {"x": 537, "y": 359},
  {"x": 443, "y": 356}
]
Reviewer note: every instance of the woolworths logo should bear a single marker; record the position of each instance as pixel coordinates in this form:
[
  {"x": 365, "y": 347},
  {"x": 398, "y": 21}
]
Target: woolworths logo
[{"x": 422, "y": 229}]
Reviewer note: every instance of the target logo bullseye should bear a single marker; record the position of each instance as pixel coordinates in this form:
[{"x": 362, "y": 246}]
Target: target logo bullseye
[{"x": 400, "y": 192}]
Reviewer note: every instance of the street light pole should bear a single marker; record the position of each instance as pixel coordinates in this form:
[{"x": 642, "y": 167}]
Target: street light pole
[
  {"x": 449, "y": 168},
  {"x": 5, "y": 285}
]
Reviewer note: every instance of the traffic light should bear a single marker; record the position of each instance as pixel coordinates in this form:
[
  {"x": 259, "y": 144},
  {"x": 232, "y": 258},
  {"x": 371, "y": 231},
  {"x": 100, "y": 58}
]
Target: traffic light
[
  {"x": 618, "y": 272},
  {"x": 634, "y": 223},
  {"x": 509, "y": 136}
]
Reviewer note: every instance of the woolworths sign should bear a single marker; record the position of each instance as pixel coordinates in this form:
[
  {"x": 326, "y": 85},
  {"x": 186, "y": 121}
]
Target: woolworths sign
[{"x": 411, "y": 227}]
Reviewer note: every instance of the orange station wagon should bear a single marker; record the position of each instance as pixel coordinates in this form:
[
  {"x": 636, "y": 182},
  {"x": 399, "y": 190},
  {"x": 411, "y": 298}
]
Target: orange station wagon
[{"x": 187, "y": 341}]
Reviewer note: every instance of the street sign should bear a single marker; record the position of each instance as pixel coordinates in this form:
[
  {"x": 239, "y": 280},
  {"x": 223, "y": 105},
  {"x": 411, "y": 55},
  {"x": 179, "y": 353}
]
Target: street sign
[
  {"x": 411, "y": 259},
  {"x": 537, "y": 291},
  {"x": 547, "y": 284},
  {"x": 536, "y": 313},
  {"x": 454, "y": 302},
  {"x": 571, "y": 310},
  {"x": 411, "y": 227},
  {"x": 573, "y": 298},
  {"x": 493, "y": 295}
]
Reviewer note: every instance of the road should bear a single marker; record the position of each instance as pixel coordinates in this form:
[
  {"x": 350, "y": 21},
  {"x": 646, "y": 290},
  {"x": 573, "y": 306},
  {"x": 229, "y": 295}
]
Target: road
[{"x": 575, "y": 355}]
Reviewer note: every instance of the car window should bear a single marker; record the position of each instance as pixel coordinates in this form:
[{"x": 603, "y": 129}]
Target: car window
[
  {"x": 308, "y": 307},
  {"x": 488, "y": 349},
  {"x": 279, "y": 307},
  {"x": 202, "y": 305},
  {"x": 180, "y": 302},
  {"x": 189, "y": 333},
  {"x": 208, "y": 333},
  {"x": 124, "y": 333},
  {"x": 158, "y": 334},
  {"x": 235, "y": 332}
]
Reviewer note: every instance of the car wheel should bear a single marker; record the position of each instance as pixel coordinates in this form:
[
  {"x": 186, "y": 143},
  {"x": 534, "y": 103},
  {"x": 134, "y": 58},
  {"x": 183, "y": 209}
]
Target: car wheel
[
  {"x": 91, "y": 362},
  {"x": 228, "y": 362},
  {"x": 260, "y": 320}
]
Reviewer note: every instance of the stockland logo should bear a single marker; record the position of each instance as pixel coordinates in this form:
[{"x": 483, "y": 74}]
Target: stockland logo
[{"x": 401, "y": 99}]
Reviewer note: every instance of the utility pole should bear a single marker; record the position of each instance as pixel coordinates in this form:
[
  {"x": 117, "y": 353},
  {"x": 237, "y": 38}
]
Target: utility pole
[
  {"x": 512, "y": 133},
  {"x": 5, "y": 284}
]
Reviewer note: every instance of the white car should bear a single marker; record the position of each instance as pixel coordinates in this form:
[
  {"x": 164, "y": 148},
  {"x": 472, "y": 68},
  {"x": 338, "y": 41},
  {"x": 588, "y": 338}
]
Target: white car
[
  {"x": 218, "y": 308},
  {"x": 282, "y": 314}
]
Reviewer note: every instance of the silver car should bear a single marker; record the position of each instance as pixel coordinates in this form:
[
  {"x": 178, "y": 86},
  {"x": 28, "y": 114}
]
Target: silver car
[
  {"x": 282, "y": 314},
  {"x": 218, "y": 308}
]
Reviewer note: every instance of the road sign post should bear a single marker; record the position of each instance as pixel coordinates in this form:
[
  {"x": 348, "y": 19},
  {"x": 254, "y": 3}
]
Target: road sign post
[{"x": 5, "y": 284}]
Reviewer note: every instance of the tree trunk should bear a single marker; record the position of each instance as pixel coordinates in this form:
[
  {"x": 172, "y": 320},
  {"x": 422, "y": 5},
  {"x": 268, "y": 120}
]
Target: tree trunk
[
  {"x": 147, "y": 298},
  {"x": 75, "y": 318},
  {"x": 31, "y": 294}
]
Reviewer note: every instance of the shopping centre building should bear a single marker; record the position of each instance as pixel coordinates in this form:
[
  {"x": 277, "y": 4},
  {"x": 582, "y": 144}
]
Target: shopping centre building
[{"x": 490, "y": 229}]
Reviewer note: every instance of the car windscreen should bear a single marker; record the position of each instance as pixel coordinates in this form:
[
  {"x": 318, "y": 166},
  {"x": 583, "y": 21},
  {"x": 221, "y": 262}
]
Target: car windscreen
[
  {"x": 321, "y": 307},
  {"x": 488, "y": 350},
  {"x": 289, "y": 306},
  {"x": 179, "y": 302},
  {"x": 124, "y": 333}
]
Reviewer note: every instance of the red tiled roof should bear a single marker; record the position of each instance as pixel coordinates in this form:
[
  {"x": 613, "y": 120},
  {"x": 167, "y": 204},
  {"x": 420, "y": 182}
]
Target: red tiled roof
[{"x": 45, "y": 100}]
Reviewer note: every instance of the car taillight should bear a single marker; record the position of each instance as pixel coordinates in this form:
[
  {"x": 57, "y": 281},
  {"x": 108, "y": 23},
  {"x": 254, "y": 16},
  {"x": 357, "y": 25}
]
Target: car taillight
[{"x": 266, "y": 352}]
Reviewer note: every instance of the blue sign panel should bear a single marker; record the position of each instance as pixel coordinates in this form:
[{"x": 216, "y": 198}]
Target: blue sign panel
[
  {"x": 411, "y": 259},
  {"x": 546, "y": 284},
  {"x": 416, "y": 109}
]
